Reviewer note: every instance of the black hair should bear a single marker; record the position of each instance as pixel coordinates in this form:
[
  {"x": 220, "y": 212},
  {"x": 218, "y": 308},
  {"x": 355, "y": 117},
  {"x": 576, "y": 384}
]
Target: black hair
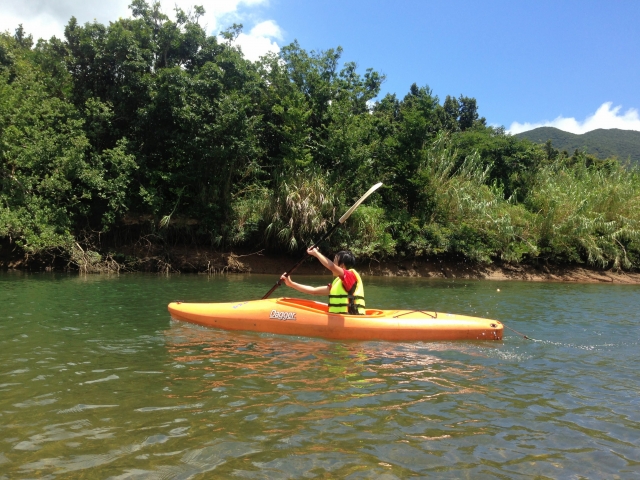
[{"x": 346, "y": 258}]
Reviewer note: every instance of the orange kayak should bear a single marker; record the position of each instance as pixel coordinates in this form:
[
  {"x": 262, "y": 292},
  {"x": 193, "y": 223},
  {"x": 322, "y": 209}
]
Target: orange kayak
[{"x": 292, "y": 316}]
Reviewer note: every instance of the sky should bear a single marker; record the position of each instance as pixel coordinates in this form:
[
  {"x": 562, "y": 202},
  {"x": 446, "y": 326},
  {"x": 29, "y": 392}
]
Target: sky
[{"x": 571, "y": 64}]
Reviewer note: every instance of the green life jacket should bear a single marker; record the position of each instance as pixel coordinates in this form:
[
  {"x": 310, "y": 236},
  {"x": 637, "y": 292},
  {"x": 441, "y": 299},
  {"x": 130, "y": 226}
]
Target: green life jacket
[{"x": 341, "y": 301}]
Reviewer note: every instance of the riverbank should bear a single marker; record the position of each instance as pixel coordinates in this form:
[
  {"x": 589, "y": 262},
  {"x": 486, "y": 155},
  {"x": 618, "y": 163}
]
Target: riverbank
[
  {"x": 437, "y": 268},
  {"x": 190, "y": 260},
  {"x": 206, "y": 261}
]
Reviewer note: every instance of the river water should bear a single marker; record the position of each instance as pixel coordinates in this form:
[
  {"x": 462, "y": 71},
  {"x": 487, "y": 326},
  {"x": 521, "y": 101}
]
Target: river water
[{"x": 96, "y": 381}]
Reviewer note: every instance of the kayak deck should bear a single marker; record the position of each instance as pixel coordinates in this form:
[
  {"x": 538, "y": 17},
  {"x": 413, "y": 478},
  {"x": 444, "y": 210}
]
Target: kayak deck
[{"x": 293, "y": 316}]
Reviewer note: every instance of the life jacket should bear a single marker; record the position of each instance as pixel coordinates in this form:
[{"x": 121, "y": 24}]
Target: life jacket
[{"x": 341, "y": 301}]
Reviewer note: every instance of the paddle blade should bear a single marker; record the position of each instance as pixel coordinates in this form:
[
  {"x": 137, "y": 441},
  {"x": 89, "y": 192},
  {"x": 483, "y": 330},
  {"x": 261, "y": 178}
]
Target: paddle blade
[{"x": 344, "y": 217}]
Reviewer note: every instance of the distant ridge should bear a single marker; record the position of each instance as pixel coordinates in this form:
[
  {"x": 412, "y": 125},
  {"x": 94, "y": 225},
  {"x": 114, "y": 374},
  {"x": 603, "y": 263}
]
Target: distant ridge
[{"x": 603, "y": 143}]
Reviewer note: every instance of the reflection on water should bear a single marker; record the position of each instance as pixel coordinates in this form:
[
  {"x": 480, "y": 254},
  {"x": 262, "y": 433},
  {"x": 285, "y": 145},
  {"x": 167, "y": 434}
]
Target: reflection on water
[
  {"x": 352, "y": 376},
  {"x": 321, "y": 400},
  {"x": 97, "y": 382}
]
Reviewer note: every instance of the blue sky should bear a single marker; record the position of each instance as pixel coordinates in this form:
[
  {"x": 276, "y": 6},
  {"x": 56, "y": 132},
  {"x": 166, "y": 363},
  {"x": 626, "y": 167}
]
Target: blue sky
[{"x": 566, "y": 63}]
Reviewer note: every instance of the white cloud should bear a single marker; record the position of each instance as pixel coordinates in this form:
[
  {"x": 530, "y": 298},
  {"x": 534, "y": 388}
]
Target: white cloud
[
  {"x": 267, "y": 29},
  {"x": 605, "y": 117},
  {"x": 45, "y": 18},
  {"x": 219, "y": 8},
  {"x": 220, "y": 13},
  {"x": 259, "y": 40}
]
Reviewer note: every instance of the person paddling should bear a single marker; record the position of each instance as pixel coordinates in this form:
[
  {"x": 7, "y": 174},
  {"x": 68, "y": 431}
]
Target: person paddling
[{"x": 346, "y": 292}]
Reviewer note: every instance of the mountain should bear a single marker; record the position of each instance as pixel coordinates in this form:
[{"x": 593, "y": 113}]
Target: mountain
[{"x": 602, "y": 143}]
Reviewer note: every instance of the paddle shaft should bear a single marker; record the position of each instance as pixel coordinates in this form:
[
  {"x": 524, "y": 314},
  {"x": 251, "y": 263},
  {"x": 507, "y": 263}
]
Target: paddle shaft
[
  {"x": 291, "y": 270},
  {"x": 326, "y": 235}
]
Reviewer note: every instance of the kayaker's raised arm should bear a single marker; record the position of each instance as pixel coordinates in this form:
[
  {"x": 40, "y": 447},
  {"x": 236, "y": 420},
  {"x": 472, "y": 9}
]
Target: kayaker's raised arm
[{"x": 335, "y": 269}]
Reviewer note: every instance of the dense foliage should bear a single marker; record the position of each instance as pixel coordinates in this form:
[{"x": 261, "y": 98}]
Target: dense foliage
[{"x": 150, "y": 126}]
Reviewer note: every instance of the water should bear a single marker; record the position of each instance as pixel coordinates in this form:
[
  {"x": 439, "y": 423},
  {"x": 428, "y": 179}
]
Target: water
[{"x": 96, "y": 381}]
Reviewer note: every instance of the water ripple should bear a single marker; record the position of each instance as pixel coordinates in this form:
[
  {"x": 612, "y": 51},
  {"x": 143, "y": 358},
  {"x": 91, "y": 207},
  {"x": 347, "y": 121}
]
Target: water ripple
[{"x": 81, "y": 408}]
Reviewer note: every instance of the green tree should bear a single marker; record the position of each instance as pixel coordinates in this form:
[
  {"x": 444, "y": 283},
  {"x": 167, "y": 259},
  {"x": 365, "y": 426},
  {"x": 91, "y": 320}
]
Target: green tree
[{"x": 52, "y": 181}]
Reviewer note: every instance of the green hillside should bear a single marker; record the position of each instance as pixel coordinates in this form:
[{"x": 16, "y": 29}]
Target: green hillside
[{"x": 625, "y": 144}]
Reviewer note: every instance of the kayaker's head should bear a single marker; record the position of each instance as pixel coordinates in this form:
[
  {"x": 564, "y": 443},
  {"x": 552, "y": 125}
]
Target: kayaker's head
[{"x": 345, "y": 259}]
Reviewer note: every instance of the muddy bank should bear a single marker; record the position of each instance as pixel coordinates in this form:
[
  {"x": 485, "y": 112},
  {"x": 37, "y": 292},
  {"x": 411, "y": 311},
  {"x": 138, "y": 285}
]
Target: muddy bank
[{"x": 207, "y": 261}]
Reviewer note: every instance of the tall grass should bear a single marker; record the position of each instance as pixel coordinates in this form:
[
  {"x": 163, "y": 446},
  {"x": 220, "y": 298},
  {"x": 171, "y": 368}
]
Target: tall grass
[
  {"x": 572, "y": 213},
  {"x": 304, "y": 207},
  {"x": 300, "y": 208},
  {"x": 586, "y": 214},
  {"x": 466, "y": 215},
  {"x": 367, "y": 233}
]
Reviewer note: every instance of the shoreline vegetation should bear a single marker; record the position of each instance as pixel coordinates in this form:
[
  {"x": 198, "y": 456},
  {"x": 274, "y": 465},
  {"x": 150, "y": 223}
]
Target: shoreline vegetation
[
  {"x": 186, "y": 260},
  {"x": 146, "y": 145}
]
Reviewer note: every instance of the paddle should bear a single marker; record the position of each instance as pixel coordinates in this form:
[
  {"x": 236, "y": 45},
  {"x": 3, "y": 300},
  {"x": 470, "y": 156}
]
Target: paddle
[{"x": 326, "y": 235}]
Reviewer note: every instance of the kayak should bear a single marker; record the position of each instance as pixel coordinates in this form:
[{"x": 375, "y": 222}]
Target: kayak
[{"x": 293, "y": 316}]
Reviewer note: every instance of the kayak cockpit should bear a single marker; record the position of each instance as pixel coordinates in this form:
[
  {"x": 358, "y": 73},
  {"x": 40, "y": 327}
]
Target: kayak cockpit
[{"x": 319, "y": 307}]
